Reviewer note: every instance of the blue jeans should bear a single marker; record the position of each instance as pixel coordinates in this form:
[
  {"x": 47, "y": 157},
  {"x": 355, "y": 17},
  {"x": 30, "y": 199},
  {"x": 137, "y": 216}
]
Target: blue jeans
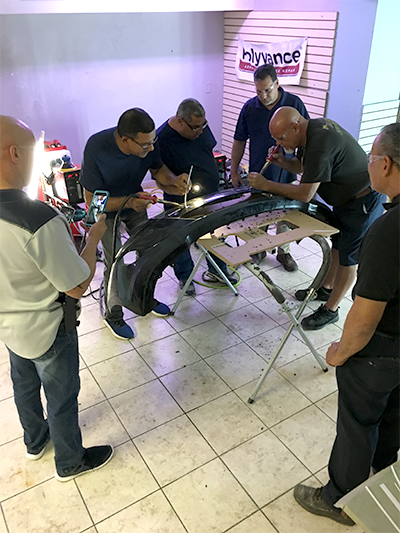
[
  {"x": 183, "y": 265},
  {"x": 58, "y": 371}
]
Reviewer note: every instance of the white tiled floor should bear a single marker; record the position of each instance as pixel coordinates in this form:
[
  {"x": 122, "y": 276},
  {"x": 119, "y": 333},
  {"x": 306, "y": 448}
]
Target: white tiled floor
[{"x": 191, "y": 455}]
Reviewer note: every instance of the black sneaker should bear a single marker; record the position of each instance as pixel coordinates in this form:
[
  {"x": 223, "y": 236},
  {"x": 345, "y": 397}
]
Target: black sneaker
[
  {"x": 94, "y": 458},
  {"x": 322, "y": 294},
  {"x": 211, "y": 276},
  {"x": 35, "y": 455},
  {"x": 120, "y": 329},
  {"x": 320, "y": 318},
  {"x": 287, "y": 261},
  {"x": 190, "y": 291},
  {"x": 311, "y": 500}
]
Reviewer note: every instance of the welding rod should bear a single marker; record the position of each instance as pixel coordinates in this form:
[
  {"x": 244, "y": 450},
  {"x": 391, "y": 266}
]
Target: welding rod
[{"x": 269, "y": 160}]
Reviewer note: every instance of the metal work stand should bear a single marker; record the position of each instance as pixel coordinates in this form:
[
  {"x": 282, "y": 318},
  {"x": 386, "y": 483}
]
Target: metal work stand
[{"x": 204, "y": 253}]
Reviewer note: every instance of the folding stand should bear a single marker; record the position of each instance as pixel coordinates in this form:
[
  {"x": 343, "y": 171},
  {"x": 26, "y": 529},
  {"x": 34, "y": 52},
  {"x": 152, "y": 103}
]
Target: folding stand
[
  {"x": 204, "y": 253},
  {"x": 256, "y": 240}
]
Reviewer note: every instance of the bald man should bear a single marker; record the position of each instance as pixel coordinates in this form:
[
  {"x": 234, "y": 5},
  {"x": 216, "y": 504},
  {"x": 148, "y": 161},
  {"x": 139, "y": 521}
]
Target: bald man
[
  {"x": 42, "y": 276},
  {"x": 332, "y": 163}
]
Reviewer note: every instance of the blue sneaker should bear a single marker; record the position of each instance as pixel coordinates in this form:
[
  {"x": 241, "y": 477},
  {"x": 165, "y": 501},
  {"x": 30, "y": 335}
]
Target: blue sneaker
[
  {"x": 120, "y": 329},
  {"x": 161, "y": 310}
]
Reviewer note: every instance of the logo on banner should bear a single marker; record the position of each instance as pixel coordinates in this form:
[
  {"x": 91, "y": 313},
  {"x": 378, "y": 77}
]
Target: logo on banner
[{"x": 287, "y": 57}]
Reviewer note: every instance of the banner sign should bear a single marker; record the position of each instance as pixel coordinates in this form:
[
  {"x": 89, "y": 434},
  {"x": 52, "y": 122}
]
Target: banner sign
[{"x": 287, "y": 57}]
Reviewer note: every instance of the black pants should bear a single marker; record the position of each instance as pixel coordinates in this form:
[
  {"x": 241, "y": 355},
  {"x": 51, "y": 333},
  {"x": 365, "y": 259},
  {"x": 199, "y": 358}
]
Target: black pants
[{"x": 368, "y": 425}]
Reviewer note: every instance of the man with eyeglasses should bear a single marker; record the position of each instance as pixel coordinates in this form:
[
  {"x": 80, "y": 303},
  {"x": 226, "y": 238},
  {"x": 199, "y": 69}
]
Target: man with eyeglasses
[
  {"x": 186, "y": 141},
  {"x": 333, "y": 163},
  {"x": 117, "y": 160},
  {"x": 367, "y": 357},
  {"x": 253, "y": 124}
]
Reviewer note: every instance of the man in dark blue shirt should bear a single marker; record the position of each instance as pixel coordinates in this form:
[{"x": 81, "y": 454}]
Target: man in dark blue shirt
[
  {"x": 117, "y": 160},
  {"x": 186, "y": 141},
  {"x": 253, "y": 124}
]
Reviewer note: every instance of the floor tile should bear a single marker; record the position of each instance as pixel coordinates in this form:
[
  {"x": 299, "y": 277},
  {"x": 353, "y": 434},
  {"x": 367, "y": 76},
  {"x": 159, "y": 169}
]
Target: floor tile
[
  {"x": 237, "y": 365},
  {"x": 100, "y": 345},
  {"x": 273, "y": 309},
  {"x": 256, "y": 523},
  {"x": 100, "y": 425},
  {"x": 90, "y": 393},
  {"x": 248, "y": 322},
  {"x": 289, "y": 517},
  {"x": 189, "y": 313},
  {"x": 226, "y": 422},
  {"x": 265, "y": 467},
  {"x": 287, "y": 280},
  {"x": 125, "y": 480},
  {"x": 276, "y": 400},
  {"x": 209, "y": 499},
  {"x": 322, "y": 339},
  {"x": 329, "y": 405},
  {"x": 9, "y": 422},
  {"x": 121, "y": 373},
  {"x": 3, "y": 528},
  {"x": 152, "y": 514},
  {"x": 4, "y": 355},
  {"x": 221, "y": 301},
  {"x": 210, "y": 337},
  {"x": 302, "y": 434},
  {"x": 253, "y": 289},
  {"x": 6, "y": 388},
  {"x": 169, "y": 354},
  {"x": 17, "y": 473},
  {"x": 145, "y": 407},
  {"x": 149, "y": 328},
  {"x": 174, "y": 449},
  {"x": 267, "y": 343},
  {"x": 194, "y": 385},
  {"x": 306, "y": 375},
  {"x": 47, "y": 508},
  {"x": 90, "y": 319}
]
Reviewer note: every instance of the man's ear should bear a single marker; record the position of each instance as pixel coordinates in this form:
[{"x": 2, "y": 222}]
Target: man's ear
[
  {"x": 387, "y": 165},
  {"x": 14, "y": 153}
]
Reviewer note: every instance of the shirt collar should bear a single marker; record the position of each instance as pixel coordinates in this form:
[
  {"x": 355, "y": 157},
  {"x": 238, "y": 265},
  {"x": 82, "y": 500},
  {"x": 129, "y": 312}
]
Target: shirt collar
[{"x": 393, "y": 203}]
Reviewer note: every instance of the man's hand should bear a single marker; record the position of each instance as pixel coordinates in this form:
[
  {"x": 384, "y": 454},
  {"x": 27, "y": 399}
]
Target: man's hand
[
  {"x": 181, "y": 183},
  {"x": 140, "y": 204},
  {"x": 256, "y": 180},
  {"x": 98, "y": 229},
  {"x": 332, "y": 356},
  {"x": 236, "y": 179},
  {"x": 277, "y": 159}
]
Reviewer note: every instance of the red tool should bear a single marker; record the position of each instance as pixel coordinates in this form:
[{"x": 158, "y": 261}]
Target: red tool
[
  {"x": 269, "y": 160},
  {"x": 153, "y": 199}
]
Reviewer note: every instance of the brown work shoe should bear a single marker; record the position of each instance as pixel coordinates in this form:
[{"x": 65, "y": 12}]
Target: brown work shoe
[{"x": 311, "y": 500}]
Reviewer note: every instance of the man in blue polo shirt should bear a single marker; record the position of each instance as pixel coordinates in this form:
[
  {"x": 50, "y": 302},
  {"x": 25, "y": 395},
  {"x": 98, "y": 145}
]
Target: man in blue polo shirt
[
  {"x": 253, "y": 124},
  {"x": 186, "y": 141},
  {"x": 117, "y": 160}
]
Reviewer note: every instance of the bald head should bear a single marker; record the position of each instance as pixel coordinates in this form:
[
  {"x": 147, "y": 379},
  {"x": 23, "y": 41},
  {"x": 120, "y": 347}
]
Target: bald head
[
  {"x": 288, "y": 127},
  {"x": 17, "y": 145}
]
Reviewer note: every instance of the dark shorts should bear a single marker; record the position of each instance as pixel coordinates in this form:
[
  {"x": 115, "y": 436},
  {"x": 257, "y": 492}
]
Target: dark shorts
[{"x": 353, "y": 220}]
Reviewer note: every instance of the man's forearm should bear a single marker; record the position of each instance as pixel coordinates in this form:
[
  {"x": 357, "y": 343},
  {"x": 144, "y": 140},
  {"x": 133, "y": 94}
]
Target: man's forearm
[
  {"x": 165, "y": 180},
  {"x": 237, "y": 154}
]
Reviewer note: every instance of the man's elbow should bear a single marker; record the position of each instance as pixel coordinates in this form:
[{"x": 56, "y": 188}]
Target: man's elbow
[{"x": 76, "y": 292}]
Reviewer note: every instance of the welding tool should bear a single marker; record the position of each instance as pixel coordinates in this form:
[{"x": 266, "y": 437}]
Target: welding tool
[
  {"x": 188, "y": 188},
  {"x": 269, "y": 160},
  {"x": 153, "y": 199}
]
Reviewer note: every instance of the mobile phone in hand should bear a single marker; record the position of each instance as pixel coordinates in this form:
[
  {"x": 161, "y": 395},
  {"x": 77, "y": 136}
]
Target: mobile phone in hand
[{"x": 97, "y": 207}]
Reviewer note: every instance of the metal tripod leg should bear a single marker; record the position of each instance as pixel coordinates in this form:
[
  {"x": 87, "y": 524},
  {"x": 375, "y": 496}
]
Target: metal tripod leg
[
  {"x": 188, "y": 282},
  {"x": 217, "y": 268}
]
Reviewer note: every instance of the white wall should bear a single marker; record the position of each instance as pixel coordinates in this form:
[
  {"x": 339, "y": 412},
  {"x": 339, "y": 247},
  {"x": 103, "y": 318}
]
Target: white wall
[
  {"x": 383, "y": 79},
  {"x": 74, "y": 74}
]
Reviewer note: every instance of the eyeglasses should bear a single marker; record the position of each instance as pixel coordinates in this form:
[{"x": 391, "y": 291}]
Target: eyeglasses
[
  {"x": 372, "y": 158},
  {"x": 285, "y": 134},
  {"x": 268, "y": 91},
  {"x": 146, "y": 146},
  {"x": 195, "y": 129},
  {"x": 30, "y": 149}
]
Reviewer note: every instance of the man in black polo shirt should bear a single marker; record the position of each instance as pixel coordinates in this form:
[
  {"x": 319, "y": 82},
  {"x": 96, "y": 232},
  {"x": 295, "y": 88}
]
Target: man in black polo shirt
[
  {"x": 368, "y": 355},
  {"x": 253, "y": 124},
  {"x": 117, "y": 160},
  {"x": 186, "y": 140},
  {"x": 334, "y": 164}
]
